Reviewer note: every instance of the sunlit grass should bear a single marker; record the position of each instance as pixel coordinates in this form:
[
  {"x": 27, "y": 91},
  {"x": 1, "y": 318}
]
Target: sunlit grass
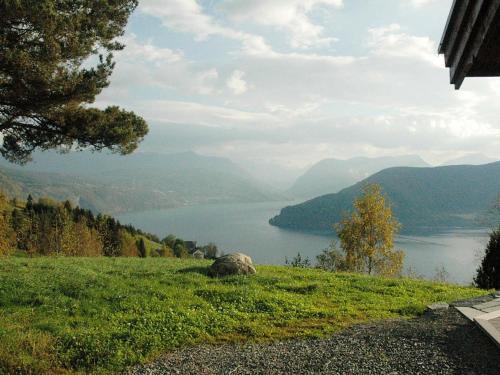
[{"x": 101, "y": 315}]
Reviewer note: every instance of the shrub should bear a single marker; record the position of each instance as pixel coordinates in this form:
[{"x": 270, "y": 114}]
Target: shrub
[
  {"x": 210, "y": 251},
  {"x": 298, "y": 261},
  {"x": 332, "y": 259}
]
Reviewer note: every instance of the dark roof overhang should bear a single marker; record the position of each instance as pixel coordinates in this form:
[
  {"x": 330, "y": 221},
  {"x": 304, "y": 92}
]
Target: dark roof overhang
[{"x": 471, "y": 40}]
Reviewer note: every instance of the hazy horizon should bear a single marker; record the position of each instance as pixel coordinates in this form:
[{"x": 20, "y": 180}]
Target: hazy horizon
[{"x": 288, "y": 83}]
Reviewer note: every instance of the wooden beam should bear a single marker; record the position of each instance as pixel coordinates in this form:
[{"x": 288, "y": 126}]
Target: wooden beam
[
  {"x": 469, "y": 42},
  {"x": 461, "y": 63}
]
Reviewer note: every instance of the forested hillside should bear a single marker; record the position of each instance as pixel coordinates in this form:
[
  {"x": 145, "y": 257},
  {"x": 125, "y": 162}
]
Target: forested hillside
[
  {"x": 422, "y": 199},
  {"x": 48, "y": 227}
]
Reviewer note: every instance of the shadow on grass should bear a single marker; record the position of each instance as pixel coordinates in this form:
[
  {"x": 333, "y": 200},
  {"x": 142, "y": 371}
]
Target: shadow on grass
[{"x": 201, "y": 270}]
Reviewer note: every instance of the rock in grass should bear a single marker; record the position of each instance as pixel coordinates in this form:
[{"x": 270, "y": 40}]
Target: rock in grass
[
  {"x": 436, "y": 308},
  {"x": 232, "y": 264}
]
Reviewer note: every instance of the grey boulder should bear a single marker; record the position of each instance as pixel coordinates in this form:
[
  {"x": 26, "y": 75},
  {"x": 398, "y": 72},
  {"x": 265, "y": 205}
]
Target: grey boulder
[{"x": 232, "y": 264}]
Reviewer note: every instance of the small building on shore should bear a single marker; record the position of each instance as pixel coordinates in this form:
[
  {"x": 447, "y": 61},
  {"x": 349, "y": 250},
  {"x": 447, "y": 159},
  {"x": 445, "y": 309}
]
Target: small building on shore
[
  {"x": 198, "y": 254},
  {"x": 190, "y": 246}
]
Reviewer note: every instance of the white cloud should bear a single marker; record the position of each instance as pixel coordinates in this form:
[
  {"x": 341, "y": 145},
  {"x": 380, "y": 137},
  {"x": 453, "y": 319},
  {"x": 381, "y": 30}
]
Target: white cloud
[
  {"x": 187, "y": 16},
  {"x": 391, "y": 41},
  {"x": 419, "y": 3},
  {"x": 143, "y": 64},
  {"x": 289, "y": 15},
  {"x": 236, "y": 83},
  {"x": 136, "y": 50},
  {"x": 202, "y": 114}
]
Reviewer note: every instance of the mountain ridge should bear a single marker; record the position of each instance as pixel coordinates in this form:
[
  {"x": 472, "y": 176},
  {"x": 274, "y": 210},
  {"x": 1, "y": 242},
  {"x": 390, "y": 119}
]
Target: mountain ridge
[
  {"x": 422, "y": 199},
  {"x": 332, "y": 175},
  {"x": 142, "y": 181}
]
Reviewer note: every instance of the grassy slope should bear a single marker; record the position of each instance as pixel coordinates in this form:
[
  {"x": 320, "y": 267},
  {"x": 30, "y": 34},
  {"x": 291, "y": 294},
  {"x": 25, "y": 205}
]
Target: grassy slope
[{"x": 104, "y": 314}]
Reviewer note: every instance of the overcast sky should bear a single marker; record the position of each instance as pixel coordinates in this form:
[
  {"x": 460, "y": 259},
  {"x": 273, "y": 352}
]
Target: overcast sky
[{"x": 295, "y": 81}]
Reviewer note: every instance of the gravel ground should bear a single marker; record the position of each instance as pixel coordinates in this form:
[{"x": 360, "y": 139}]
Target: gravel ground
[{"x": 443, "y": 343}]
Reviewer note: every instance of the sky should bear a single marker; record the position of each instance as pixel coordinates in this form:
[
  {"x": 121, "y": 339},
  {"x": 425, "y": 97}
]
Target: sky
[{"x": 277, "y": 85}]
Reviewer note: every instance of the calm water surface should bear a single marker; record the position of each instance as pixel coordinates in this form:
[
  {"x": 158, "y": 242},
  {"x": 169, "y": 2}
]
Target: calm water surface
[{"x": 244, "y": 227}]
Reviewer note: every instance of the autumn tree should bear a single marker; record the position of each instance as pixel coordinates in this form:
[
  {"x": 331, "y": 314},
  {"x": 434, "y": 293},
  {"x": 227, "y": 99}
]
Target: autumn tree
[
  {"x": 56, "y": 56},
  {"x": 367, "y": 235},
  {"x": 78, "y": 238},
  {"x": 7, "y": 235},
  {"x": 128, "y": 245}
]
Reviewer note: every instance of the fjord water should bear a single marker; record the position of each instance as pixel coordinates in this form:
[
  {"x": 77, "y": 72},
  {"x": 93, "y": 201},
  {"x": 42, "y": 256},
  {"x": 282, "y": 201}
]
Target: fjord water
[{"x": 244, "y": 227}]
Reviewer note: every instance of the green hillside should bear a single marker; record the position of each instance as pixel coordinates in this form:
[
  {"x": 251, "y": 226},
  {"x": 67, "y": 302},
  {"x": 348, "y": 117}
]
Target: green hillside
[
  {"x": 422, "y": 199},
  {"x": 100, "y": 315}
]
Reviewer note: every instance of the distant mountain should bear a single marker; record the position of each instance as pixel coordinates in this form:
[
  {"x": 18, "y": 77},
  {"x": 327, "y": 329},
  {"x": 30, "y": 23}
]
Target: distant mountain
[
  {"x": 422, "y": 199},
  {"x": 332, "y": 175},
  {"x": 471, "y": 159},
  {"x": 113, "y": 183}
]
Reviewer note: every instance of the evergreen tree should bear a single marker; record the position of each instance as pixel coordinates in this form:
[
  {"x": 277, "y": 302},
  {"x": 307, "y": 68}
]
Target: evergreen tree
[
  {"x": 29, "y": 202},
  {"x": 141, "y": 247},
  {"x": 488, "y": 273},
  {"x": 47, "y": 82}
]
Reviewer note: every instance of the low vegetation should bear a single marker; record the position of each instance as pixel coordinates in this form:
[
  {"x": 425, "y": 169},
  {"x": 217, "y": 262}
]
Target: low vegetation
[{"x": 70, "y": 315}]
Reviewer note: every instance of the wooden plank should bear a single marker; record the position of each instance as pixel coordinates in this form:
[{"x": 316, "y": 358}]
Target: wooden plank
[
  {"x": 469, "y": 312},
  {"x": 496, "y": 323},
  {"x": 489, "y": 323},
  {"x": 486, "y": 305},
  {"x": 491, "y": 309}
]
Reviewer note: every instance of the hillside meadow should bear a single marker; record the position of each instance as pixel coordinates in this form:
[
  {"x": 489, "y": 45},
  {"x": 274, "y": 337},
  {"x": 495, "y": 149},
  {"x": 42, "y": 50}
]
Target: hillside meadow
[{"x": 101, "y": 315}]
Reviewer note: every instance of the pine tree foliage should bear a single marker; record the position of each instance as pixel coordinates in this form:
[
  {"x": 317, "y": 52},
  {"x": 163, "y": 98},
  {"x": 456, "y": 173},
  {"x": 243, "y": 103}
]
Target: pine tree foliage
[
  {"x": 488, "y": 273},
  {"x": 141, "y": 248},
  {"x": 55, "y": 57}
]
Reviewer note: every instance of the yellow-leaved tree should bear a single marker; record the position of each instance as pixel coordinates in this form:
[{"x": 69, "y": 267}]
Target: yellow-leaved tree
[
  {"x": 367, "y": 235},
  {"x": 7, "y": 235}
]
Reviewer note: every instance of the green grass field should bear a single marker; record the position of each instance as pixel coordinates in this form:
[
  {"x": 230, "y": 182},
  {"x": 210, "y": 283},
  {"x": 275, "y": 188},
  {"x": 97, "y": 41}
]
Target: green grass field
[{"x": 100, "y": 315}]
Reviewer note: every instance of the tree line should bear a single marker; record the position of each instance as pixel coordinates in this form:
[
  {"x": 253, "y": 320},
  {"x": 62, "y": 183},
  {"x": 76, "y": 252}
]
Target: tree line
[{"x": 48, "y": 227}]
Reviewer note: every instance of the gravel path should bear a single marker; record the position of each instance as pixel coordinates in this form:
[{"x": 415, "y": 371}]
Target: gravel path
[{"x": 444, "y": 343}]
